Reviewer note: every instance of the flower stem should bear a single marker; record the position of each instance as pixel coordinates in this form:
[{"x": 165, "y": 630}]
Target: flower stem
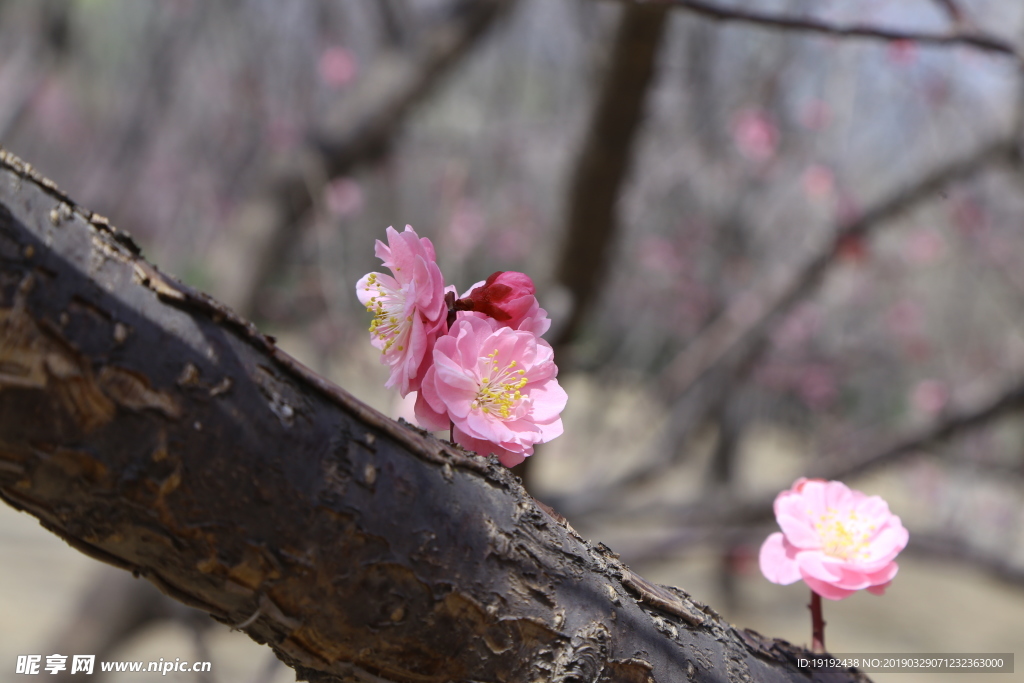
[
  {"x": 817, "y": 625},
  {"x": 449, "y": 300},
  {"x": 451, "y": 431}
]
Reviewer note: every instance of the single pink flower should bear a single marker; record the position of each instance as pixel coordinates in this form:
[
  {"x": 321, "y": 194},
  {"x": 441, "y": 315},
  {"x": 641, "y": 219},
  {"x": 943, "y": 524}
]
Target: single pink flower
[
  {"x": 837, "y": 540},
  {"x": 408, "y": 309},
  {"x": 508, "y": 297},
  {"x": 496, "y": 385}
]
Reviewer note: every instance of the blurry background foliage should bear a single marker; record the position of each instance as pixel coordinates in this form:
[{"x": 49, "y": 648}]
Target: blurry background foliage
[{"x": 699, "y": 385}]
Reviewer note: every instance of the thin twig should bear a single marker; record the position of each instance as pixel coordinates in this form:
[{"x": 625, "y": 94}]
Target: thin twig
[
  {"x": 949, "y": 547},
  {"x": 980, "y": 41},
  {"x": 710, "y": 513},
  {"x": 953, "y": 12}
]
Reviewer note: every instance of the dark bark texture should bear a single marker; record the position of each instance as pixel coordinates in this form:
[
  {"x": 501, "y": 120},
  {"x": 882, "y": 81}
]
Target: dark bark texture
[{"x": 155, "y": 430}]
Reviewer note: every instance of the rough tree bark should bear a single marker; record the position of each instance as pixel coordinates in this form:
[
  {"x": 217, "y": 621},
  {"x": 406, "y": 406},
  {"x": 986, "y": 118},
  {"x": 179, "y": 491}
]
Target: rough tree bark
[{"x": 155, "y": 430}]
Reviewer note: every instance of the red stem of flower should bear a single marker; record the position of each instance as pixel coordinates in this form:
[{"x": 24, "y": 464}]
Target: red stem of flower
[
  {"x": 817, "y": 625},
  {"x": 451, "y": 431}
]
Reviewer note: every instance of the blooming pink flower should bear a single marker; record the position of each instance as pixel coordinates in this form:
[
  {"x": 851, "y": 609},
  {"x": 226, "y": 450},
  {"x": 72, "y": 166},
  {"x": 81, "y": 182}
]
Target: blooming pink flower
[
  {"x": 508, "y": 297},
  {"x": 496, "y": 385},
  {"x": 409, "y": 309},
  {"x": 837, "y": 540}
]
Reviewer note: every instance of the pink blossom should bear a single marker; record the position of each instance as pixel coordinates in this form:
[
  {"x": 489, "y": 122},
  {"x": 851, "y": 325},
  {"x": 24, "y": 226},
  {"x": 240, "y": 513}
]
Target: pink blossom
[
  {"x": 906, "y": 319},
  {"x": 819, "y": 181},
  {"x": 930, "y": 397},
  {"x": 409, "y": 309},
  {"x": 836, "y": 539},
  {"x": 508, "y": 297},
  {"x": 755, "y": 135},
  {"x": 466, "y": 228},
  {"x": 337, "y": 66},
  {"x": 818, "y": 386},
  {"x": 496, "y": 385},
  {"x": 344, "y": 197},
  {"x": 924, "y": 247},
  {"x": 902, "y": 51},
  {"x": 816, "y": 114}
]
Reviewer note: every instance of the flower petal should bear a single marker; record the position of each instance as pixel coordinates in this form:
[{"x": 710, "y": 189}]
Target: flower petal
[
  {"x": 827, "y": 590},
  {"x": 776, "y": 562}
]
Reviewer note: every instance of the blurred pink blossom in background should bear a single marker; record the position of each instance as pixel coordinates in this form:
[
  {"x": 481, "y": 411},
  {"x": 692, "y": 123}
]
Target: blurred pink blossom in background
[
  {"x": 816, "y": 114},
  {"x": 924, "y": 247},
  {"x": 905, "y": 319},
  {"x": 283, "y": 134},
  {"x": 344, "y": 197},
  {"x": 798, "y": 328},
  {"x": 337, "y": 67},
  {"x": 465, "y": 229},
  {"x": 819, "y": 182},
  {"x": 930, "y": 397},
  {"x": 818, "y": 386},
  {"x": 902, "y": 52},
  {"x": 755, "y": 134}
]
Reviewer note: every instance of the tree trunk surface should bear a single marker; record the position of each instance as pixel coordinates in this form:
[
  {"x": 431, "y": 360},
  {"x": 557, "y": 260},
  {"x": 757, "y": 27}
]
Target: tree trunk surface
[{"x": 153, "y": 429}]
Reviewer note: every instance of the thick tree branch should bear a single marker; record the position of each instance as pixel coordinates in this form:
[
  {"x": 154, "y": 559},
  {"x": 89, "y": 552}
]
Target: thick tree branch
[
  {"x": 980, "y": 41},
  {"x": 155, "y": 430}
]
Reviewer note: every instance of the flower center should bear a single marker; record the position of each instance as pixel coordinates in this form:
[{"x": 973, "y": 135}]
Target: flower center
[
  {"x": 498, "y": 391},
  {"x": 844, "y": 536},
  {"x": 388, "y": 308}
]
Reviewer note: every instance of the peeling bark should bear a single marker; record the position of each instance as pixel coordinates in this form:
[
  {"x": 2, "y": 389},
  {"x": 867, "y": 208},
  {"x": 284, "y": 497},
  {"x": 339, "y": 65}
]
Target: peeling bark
[{"x": 155, "y": 430}]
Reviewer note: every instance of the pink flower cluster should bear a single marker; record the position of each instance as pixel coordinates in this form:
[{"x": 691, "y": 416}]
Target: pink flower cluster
[
  {"x": 490, "y": 377},
  {"x": 836, "y": 539}
]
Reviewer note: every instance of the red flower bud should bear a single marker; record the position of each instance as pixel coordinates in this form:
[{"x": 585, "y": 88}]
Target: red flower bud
[{"x": 506, "y": 296}]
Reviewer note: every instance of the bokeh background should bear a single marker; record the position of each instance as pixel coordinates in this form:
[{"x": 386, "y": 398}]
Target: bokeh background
[{"x": 766, "y": 252}]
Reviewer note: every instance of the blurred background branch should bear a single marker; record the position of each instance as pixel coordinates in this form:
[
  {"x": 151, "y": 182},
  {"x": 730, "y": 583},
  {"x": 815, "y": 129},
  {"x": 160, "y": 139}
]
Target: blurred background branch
[{"x": 783, "y": 22}]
